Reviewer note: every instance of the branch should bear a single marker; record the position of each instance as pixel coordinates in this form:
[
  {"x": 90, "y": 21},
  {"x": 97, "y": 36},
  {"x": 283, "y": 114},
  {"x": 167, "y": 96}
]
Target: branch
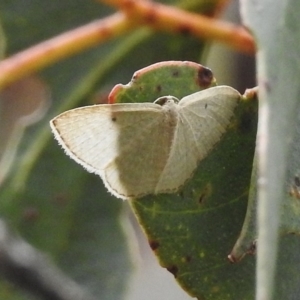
[
  {"x": 157, "y": 16},
  {"x": 59, "y": 47},
  {"x": 176, "y": 20}
]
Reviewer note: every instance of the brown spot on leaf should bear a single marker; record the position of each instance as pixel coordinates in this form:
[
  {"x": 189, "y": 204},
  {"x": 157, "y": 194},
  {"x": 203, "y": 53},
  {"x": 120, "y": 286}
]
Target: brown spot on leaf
[
  {"x": 205, "y": 77},
  {"x": 61, "y": 199},
  {"x": 154, "y": 245},
  {"x": 246, "y": 122},
  {"x": 201, "y": 198},
  {"x": 173, "y": 269},
  {"x": 293, "y": 233},
  {"x": 175, "y": 73},
  {"x": 188, "y": 258},
  {"x": 30, "y": 214},
  {"x": 158, "y": 88},
  {"x": 205, "y": 192}
]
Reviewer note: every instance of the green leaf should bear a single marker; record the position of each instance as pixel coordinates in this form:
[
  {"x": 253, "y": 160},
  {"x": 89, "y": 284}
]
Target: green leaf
[
  {"x": 174, "y": 78},
  {"x": 276, "y": 27},
  {"x": 193, "y": 232}
]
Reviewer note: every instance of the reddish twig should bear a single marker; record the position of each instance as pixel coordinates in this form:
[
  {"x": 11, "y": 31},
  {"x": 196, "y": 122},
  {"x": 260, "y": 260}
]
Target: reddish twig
[
  {"x": 64, "y": 45},
  {"x": 155, "y": 15},
  {"x": 176, "y": 20}
]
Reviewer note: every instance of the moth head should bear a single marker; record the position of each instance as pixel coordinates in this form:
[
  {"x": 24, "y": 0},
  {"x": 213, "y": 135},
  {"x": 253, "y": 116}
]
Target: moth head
[{"x": 166, "y": 100}]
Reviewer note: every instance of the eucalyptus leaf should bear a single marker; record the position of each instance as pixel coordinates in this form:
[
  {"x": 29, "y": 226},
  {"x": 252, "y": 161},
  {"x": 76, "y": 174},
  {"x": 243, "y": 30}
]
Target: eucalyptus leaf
[
  {"x": 276, "y": 26},
  {"x": 192, "y": 232}
]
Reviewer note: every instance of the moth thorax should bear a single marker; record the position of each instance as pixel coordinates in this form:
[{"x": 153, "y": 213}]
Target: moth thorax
[{"x": 170, "y": 110}]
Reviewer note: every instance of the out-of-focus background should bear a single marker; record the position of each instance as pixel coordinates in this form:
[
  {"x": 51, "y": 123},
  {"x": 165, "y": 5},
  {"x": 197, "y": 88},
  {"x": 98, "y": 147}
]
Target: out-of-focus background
[{"x": 58, "y": 221}]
